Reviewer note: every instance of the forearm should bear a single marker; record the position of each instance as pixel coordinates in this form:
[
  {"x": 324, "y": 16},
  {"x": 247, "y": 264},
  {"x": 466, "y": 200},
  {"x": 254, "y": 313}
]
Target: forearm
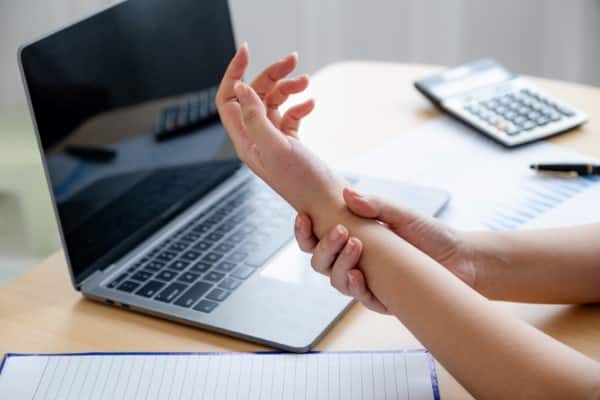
[
  {"x": 544, "y": 266},
  {"x": 481, "y": 346}
]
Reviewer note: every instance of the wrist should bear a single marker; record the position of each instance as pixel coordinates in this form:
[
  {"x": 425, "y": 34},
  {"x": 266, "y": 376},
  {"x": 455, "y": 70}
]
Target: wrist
[{"x": 487, "y": 261}]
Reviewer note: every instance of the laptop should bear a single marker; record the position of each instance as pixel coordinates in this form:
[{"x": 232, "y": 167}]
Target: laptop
[{"x": 157, "y": 214}]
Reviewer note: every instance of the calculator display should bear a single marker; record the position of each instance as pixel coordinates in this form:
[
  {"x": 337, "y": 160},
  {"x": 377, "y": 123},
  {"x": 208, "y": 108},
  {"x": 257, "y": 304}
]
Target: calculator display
[
  {"x": 453, "y": 87},
  {"x": 463, "y": 79}
]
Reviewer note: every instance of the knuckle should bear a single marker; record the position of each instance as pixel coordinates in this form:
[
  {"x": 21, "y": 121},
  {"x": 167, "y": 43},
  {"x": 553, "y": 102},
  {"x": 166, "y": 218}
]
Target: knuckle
[
  {"x": 314, "y": 264},
  {"x": 251, "y": 115}
]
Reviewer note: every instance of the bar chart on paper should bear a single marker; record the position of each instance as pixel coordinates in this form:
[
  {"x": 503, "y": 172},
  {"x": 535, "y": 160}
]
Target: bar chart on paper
[{"x": 491, "y": 187}]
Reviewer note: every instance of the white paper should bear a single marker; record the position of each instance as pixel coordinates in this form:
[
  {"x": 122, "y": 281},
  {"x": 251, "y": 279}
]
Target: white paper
[
  {"x": 491, "y": 187},
  {"x": 231, "y": 376}
]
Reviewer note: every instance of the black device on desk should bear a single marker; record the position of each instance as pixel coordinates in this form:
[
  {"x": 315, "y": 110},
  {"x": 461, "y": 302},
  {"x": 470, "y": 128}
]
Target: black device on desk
[{"x": 498, "y": 103}]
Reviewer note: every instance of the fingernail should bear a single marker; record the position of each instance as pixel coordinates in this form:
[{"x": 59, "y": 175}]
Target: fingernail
[
  {"x": 354, "y": 193},
  {"x": 245, "y": 44},
  {"x": 350, "y": 246},
  {"x": 337, "y": 233},
  {"x": 351, "y": 281}
]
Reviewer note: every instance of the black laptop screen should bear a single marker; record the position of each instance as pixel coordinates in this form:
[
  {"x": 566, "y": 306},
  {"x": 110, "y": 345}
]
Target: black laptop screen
[{"x": 124, "y": 105}]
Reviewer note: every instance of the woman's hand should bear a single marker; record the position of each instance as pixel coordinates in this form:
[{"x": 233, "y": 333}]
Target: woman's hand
[
  {"x": 338, "y": 256},
  {"x": 267, "y": 141}
]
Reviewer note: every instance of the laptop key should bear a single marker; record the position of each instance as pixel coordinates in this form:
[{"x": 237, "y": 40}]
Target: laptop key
[
  {"x": 128, "y": 286},
  {"x": 200, "y": 266},
  {"x": 202, "y": 245},
  {"x": 193, "y": 294},
  {"x": 154, "y": 266},
  {"x": 225, "y": 266},
  {"x": 206, "y": 306},
  {"x": 237, "y": 256},
  {"x": 166, "y": 275},
  {"x": 142, "y": 276},
  {"x": 117, "y": 280},
  {"x": 230, "y": 283},
  {"x": 224, "y": 247},
  {"x": 150, "y": 288},
  {"x": 166, "y": 256},
  {"x": 242, "y": 272},
  {"x": 213, "y": 276},
  {"x": 178, "y": 246},
  {"x": 179, "y": 265},
  {"x": 191, "y": 237},
  {"x": 188, "y": 277},
  {"x": 191, "y": 255},
  {"x": 212, "y": 257},
  {"x": 202, "y": 228},
  {"x": 171, "y": 292},
  {"x": 214, "y": 237},
  {"x": 218, "y": 294}
]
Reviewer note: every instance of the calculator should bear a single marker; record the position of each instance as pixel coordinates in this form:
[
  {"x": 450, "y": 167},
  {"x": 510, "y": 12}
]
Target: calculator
[{"x": 498, "y": 103}]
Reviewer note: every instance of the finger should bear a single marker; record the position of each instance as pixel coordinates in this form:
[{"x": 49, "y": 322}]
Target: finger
[
  {"x": 254, "y": 116},
  {"x": 376, "y": 208},
  {"x": 267, "y": 79},
  {"x": 290, "y": 123},
  {"x": 327, "y": 249},
  {"x": 304, "y": 234},
  {"x": 282, "y": 90},
  {"x": 346, "y": 260},
  {"x": 339, "y": 276},
  {"x": 227, "y": 105},
  {"x": 358, "y": 290},
  {"x": 235, "y": 72}
]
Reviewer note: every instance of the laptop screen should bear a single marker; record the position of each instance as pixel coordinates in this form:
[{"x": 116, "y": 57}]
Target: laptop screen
[{"x": 124, "y": 106}]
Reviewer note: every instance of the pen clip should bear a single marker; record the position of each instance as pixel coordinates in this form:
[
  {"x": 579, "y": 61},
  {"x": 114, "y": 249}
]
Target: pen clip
[{"x": 559, "y": 174}]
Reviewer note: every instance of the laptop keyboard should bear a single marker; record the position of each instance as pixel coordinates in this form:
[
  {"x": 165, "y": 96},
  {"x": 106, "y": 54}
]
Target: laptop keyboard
[{"x": 202, "y": 263}]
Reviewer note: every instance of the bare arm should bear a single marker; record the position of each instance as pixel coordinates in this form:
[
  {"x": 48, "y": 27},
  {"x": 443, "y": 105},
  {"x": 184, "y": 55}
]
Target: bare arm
[
  {"x": 545, "y": 266},
  {"x": 480, "y": 345}
]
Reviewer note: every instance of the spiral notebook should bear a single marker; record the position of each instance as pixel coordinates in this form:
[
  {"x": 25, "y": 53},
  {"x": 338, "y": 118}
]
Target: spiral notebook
[{"x": 261, "y": 376}]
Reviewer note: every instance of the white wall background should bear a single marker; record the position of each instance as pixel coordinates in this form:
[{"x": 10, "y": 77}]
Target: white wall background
[{"x": 553, "y": 38}]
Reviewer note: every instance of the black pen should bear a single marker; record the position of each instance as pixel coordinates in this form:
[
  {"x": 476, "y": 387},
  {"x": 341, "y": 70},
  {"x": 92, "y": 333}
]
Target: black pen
[{"x": 567, "y": 169}]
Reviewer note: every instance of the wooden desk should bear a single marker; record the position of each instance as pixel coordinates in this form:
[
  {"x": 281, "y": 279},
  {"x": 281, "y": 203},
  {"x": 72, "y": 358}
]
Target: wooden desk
[{"x": 359, "y": 105}]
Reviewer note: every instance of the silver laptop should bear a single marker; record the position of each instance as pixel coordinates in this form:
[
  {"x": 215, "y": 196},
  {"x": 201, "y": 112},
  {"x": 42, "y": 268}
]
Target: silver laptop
[{"x": 157, "y": 214}]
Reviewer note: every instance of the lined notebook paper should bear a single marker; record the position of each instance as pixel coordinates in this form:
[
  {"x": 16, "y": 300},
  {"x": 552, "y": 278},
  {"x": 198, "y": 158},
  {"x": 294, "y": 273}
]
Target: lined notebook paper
[{"x": 261, "y": 376}]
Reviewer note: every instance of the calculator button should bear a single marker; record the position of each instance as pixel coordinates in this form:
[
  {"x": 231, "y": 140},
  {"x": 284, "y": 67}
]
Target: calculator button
[
  {"x": 566, "y": 112},
  {"x": 528, "y": 125},
  {"x": 513, "y": 130},
  {"x": 520, "y": 120},
  {"x": 514, "y": 105},
  {"x": 542, "y": 121},
  {"x": 554, "y": 116}
]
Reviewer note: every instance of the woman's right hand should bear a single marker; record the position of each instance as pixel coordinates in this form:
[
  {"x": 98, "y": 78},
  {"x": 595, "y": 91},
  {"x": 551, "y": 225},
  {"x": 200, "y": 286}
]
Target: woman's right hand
[{"x": 338, "y": 256}]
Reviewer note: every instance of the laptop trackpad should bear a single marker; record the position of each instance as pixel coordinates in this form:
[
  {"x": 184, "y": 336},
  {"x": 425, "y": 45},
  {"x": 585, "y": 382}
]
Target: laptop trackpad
[{"x": 291, "y": 265}]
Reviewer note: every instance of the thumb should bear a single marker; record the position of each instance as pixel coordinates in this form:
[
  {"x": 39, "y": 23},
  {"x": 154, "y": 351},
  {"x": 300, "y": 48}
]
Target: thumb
[{"x": 254, "y": 114}]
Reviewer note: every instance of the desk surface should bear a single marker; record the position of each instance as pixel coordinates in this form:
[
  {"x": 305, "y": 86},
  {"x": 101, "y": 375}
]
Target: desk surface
[{"x": 359, "y": 106}]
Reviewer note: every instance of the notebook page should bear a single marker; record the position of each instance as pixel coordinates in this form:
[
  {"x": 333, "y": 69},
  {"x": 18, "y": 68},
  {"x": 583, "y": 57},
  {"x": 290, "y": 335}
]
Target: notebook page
[{"x": 267, "y": 376}]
